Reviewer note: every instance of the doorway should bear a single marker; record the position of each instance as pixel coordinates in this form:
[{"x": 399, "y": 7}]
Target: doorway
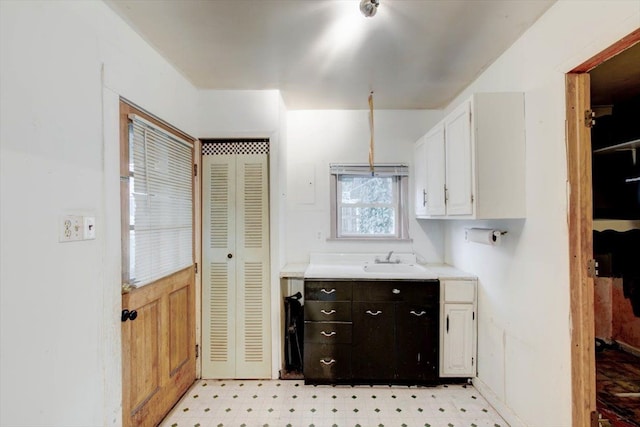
[
  {"x": 582, "y": 211},
  {"x": 236, "y": 331},
  {"x": 615, "y": 137}
]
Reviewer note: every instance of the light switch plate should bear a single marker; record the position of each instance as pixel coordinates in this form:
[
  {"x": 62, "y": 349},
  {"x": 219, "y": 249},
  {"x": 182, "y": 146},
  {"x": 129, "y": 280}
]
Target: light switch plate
[{"x": 89, "y": 227}]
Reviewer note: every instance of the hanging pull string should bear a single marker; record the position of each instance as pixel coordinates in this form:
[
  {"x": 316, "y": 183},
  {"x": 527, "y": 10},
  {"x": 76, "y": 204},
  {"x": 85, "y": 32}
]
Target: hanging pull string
[{"x": 371, "y": 130}]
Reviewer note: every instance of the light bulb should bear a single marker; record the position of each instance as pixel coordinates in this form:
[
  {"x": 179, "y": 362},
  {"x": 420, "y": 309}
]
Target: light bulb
[{"x": 369, "y": 7}]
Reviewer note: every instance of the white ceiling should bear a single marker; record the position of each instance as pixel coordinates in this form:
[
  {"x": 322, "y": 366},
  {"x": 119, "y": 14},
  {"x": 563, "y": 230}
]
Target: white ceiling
[{"x": 323, "y": 54}]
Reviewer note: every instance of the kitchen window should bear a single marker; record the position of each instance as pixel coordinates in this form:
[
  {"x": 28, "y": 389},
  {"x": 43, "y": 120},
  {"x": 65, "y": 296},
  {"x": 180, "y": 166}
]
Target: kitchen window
[{"x": 366, "y": 205}]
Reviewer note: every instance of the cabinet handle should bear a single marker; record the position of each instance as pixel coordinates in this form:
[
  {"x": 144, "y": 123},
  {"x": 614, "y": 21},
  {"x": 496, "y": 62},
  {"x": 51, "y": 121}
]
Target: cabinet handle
[
  {"x": 395, "y": 291},
  {"x": 330, "y": 334},
  {"x": 330, "y": 362},
  {"x": 328, "y": 292},
  {"x": 327, "y": 312},
  {"x": 372, "y": 313},
  {"x": 422, "y": 313},
  {"x": 447, "y": 323},
  {"x": 424, "y": 197}
]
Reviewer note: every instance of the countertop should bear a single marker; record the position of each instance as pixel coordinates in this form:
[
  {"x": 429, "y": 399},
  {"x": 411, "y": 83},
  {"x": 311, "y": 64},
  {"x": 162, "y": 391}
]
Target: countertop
[{"x": 441, "y": 271}]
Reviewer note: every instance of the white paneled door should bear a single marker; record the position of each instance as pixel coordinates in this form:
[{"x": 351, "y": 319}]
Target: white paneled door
[{"x": 235, "y": 243}]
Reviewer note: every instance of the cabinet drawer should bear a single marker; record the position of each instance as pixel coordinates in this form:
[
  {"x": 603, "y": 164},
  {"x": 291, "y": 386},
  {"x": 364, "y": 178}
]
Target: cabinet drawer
[
  {"x": 327, "y": 311},
  {"x": 327, "y": 290},
  {"x": 416, "y": 291},
  {"x": 327, "y": 362},
  {"x": 327, "y": 332},
  {"x": 459, "y": 291}
]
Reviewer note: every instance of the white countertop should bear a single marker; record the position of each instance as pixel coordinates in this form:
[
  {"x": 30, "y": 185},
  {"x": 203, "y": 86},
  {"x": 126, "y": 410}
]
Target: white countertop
[{"x": 350, "y": 266}]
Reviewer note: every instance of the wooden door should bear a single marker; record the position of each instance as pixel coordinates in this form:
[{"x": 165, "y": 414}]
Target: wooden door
[
  {"x": 435, "y": 158},
  {"x": 373, "y": 355},
  {"x": 158, "y": 348},
  {"x": 459, "y": 170},
  {"x": 158, "y": 333},
  {"x": 236, "y": 297}
]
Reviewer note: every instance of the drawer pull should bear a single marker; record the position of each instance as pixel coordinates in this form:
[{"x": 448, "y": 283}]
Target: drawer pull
[
  {"x": 395, "y": 291},
  {"x": 329, "y": 334},
  {"x": 328, "y": 292},
  {"x": 422, "y": 313},
  {"x": 330, "y": 362},
  {"x": 372, "y": 313},
  {"x": 323, "y": 311}
]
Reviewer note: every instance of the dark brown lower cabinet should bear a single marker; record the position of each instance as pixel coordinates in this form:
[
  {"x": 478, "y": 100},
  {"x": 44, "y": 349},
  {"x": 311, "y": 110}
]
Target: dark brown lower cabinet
[
  {"x": 373, "y": 341},
  {"x": 375, "y": 331},
  {"x": 417, "y": 341}
]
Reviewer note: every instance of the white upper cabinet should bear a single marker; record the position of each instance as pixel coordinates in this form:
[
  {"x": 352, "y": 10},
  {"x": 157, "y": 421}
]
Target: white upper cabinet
[
  {"x": 420, "y": 177},
  {"x": 429, "y": 173},
  {"x": 435, "y": 171},
  {"x": 473, "y": 162},
  {"x": 459, "y": 191}
]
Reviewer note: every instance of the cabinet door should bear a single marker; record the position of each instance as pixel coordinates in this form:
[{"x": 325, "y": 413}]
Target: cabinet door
[
  {"x": 435, "y": 171},
  {"x": 458, "y": 155},
  {"x": 458, "y": 347},
  {"x": 417, "y": 342},
  {"x": 373, "y": 341},
  {"x": 420, "y": 177}
]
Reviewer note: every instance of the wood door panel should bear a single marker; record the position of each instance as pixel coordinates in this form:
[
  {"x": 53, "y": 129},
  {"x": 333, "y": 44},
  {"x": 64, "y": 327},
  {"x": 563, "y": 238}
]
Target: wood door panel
[
  {"x": 158, "y": 348},
  {"x": 145, "y": 350},
  {"x": 179, "y": 332}
]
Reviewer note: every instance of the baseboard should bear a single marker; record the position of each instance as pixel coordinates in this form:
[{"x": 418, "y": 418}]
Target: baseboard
[{"x": 503, "y": 410}]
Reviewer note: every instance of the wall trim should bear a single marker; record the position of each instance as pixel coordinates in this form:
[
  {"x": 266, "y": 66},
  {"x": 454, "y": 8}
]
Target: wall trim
[{"x": 501, "y": 407}]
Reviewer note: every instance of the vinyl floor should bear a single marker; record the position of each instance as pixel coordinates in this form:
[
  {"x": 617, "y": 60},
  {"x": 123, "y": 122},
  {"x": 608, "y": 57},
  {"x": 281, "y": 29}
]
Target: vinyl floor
[{"x": 222, "y": 403}]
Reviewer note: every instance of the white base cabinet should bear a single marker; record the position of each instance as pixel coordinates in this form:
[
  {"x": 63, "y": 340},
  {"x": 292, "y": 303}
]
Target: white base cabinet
[
  {"x": 471, "y": 165},
  {"x": 458, "y": 331}
]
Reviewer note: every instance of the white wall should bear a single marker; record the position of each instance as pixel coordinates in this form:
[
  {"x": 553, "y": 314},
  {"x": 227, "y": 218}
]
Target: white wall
[
  {"x": 523, "y": 322},
  {"x": 319, "y": 137},
  {"x": 60, "y": 302}
]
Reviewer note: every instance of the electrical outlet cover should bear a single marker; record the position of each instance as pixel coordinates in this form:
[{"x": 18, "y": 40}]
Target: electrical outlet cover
[{"x": 71, "y": 228}]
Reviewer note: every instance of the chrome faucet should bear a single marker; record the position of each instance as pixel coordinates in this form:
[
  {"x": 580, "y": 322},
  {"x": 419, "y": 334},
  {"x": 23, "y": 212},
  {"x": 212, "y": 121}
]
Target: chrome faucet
[{"x": 387, "y": 259}]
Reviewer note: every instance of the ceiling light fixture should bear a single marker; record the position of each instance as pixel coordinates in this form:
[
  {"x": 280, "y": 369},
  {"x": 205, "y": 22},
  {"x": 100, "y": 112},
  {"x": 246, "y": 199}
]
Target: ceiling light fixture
[{"x": 369, "y": 7}]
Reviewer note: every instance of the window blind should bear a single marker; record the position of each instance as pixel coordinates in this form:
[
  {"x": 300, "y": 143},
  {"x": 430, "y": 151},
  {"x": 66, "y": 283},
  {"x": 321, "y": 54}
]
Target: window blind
[
  {"x": 160, "y": 202},
  {"x": 359, "y": 169}
]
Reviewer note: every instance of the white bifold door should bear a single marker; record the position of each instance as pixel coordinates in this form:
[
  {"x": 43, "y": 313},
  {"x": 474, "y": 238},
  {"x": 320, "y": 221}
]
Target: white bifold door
[{"x": 235, "y": 272}]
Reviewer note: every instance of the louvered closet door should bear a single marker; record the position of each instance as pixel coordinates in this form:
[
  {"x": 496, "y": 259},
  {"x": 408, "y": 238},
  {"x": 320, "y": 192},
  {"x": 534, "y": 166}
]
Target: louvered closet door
[{"x": 236, "y": 327}]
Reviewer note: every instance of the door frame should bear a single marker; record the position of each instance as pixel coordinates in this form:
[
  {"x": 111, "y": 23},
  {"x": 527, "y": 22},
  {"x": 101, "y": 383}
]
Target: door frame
[{"x": 580, "y": 221}]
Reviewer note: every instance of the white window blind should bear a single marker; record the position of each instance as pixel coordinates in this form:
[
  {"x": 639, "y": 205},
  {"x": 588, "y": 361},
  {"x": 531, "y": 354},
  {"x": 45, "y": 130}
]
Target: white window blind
[{"x": 160, "y": 203}]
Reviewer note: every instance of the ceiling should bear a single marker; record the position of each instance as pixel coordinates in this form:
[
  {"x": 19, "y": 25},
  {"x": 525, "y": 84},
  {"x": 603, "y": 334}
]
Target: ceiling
[{"x": 323, "y": 54}]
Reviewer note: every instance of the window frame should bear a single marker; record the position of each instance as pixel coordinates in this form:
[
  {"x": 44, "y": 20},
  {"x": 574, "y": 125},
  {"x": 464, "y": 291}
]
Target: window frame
[{"x": 400, "y": 175}]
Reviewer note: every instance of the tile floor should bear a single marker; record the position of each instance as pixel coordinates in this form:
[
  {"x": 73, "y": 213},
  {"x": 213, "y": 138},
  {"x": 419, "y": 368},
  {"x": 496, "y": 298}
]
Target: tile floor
[{"x": 224, "y": 403}]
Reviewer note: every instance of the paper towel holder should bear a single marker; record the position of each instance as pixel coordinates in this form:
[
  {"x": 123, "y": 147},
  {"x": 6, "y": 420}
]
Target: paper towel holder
[{"x": 489, "y": 235}]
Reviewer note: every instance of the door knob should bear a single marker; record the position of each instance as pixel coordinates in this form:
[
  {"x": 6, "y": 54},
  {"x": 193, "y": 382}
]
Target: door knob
[
  {"x": 229, "y": 256},
  {"x": 128, "y": 315}
]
